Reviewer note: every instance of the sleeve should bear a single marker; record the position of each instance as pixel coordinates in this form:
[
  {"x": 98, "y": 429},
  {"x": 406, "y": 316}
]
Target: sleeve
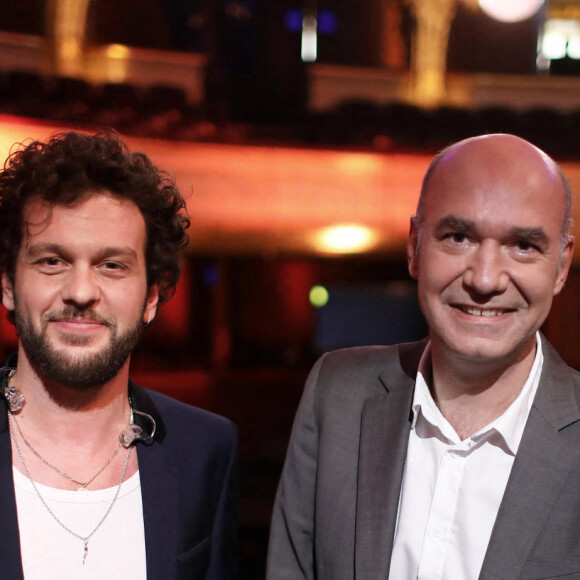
[
  {"x": 224, "y": 552},
  {"x": 291, "y": 547}
]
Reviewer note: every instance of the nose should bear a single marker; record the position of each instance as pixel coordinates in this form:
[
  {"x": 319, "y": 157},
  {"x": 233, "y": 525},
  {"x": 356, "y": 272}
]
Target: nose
[
  {"x": 81, "y": 287},
  {"x": 487, "y": 269}
]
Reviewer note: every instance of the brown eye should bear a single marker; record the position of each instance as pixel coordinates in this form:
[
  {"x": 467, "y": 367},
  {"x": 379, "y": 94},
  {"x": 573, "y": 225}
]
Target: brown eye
[
  {"x": 458, "y": 238},
  {"x": 49, "y": 261},
  {"x": 525, "y": 246}
]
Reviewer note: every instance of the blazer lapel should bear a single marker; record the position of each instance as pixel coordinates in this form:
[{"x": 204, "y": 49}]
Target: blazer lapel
[
  {"x": 159, "y": 492},
  {"x": 10, "y": 537},
  {"x": 159, "y": 495},
  {"x": 540, "y": 469},
  {"x": 385, "y": 428},
  {"x": 10, "y": 557}
]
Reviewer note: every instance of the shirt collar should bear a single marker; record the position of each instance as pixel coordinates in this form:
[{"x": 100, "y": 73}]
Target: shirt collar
[{"x": 510, "y": 425}]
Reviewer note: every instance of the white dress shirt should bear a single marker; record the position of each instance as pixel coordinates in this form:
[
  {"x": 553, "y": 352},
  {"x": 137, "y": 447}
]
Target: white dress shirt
[{"x": 452, "y": 489}]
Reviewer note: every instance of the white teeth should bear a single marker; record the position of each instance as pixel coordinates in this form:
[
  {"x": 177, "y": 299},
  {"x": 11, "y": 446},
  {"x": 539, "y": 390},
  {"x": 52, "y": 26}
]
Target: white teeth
[{"x": 483, "y": 311}]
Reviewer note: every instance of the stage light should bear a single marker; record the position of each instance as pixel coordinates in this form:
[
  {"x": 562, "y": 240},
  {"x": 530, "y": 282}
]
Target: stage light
[
  {"x": 309, "y": 47},
  {"x": 345, "y": 239},
  {"x": 318, "y": 296},
  {"x": 512, "y": 11}
]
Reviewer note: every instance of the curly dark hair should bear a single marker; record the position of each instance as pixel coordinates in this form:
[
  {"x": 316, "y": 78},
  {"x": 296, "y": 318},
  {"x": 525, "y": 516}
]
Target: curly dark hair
[{"x": 70, "y": 166}]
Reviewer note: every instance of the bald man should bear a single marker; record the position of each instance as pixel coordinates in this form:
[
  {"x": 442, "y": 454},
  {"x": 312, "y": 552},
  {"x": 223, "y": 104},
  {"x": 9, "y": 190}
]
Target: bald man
[{"x": 458, "y": 457}]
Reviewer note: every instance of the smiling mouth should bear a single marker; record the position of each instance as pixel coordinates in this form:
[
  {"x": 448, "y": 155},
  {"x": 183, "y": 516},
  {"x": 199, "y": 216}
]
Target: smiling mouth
[
  {"x": 81, "y": 321},
  {"x": 475, "y": 311},
  {"x": 73, "y": 326}
]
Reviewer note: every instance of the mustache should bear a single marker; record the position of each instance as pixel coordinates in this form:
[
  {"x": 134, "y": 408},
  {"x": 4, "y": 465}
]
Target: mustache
[{"x": 72, "y": 312}]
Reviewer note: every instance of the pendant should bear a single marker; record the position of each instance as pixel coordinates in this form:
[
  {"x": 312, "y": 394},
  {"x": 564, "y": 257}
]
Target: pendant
[{"x": 86, "y": 551}]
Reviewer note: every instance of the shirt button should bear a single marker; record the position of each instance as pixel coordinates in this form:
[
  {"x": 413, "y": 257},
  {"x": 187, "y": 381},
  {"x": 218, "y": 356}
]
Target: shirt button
[{"x": 437, "y": 533}]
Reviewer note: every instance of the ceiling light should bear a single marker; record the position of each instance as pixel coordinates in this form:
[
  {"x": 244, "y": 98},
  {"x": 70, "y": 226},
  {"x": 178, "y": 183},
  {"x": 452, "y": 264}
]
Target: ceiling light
[
  {"x": 345, "y": 239},
  {"x": 512, "y": 11}
]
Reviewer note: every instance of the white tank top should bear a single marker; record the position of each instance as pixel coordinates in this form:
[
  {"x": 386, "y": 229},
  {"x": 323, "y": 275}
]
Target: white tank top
[{"x": 116, "y": 550}]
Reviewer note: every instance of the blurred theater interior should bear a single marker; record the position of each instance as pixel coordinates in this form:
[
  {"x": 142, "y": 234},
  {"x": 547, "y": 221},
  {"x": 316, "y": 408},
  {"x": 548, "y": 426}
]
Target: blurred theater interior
[{"x": 299, "y": 131}]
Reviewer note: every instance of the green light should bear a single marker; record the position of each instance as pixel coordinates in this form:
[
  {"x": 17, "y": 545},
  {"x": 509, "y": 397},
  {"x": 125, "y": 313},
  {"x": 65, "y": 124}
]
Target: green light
[{"x": 318, "y": 296}]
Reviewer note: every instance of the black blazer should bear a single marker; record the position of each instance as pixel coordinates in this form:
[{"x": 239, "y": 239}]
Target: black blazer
[{"x": 189, "y": 488}]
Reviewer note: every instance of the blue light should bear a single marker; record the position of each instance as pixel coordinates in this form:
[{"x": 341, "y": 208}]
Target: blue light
[
  {"x": 210, "y": 276},
  {"x": 326, "y": 22},
  {"x": 293, "y": 20}
]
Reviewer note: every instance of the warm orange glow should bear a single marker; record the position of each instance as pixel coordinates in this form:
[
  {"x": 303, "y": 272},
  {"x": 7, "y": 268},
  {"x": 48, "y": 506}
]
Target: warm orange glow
[
  {"x": 114, "y": 66},
  {"x": 247, "y": 199},
  {"x": 357, "y": 164},
  {"x": 66, "y": 26},
  {"x": 345, "y": 239},
  {"x": 13, "y": 131},
  {"x": 118, "y": 51}
]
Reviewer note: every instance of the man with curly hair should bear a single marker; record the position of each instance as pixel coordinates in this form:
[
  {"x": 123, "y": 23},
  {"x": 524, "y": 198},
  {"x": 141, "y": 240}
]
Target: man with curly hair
[{"x": 100, "y": 478}]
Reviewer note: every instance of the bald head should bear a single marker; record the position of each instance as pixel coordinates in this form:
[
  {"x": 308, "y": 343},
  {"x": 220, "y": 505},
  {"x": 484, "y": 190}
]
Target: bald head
[
  {"x": 493, "y": 216},
  {"x": 496, "y": 158}
]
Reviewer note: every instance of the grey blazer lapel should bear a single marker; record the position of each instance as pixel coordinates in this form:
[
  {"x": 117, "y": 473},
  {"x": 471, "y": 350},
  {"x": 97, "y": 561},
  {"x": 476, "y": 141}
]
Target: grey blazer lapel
[
  {"x": 542, "y": 464},
  {"x": 385, "y": 427}
]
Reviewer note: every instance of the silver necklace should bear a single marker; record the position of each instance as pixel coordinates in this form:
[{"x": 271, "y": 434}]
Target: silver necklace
[
  {"x": 83, "y": 485},
  {"x": 16, "y": 399},
  {"x": 84, "y": 539}
]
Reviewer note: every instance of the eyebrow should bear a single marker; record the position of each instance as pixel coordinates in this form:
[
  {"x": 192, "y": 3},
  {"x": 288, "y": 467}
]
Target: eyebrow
[
  {"x": 109, "y": 252},
  {"x": 536, "y": 235},
  {"x": 457, "y": 223}
]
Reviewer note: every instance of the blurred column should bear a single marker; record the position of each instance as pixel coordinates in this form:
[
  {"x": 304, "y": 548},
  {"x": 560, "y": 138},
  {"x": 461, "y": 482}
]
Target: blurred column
[
  {"x": 66, "y": 22},
  {"x": 429, "y": 53},
  {"x": 393, "y": 52},
  {"x": 221, "y": 335}
]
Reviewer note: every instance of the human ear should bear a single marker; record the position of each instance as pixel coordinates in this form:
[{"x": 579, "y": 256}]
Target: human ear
[
  {"x": 565, "y": 263},
  {"x": 151, "y": 304},
  {"x": 7, "y": 292},
  {"x": 413, "y": 247}
]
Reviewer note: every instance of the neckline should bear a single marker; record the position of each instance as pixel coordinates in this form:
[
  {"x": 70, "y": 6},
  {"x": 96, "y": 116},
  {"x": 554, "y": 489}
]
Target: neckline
[{"x": 65, "y": 495}]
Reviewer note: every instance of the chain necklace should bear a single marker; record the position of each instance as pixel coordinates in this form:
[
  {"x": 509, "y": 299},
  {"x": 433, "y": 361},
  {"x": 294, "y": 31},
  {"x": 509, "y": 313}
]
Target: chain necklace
[
  {"x": 84, "y": 539},
  {"x": 83, "y": 485},
  {"x": 16, "y": 401}
]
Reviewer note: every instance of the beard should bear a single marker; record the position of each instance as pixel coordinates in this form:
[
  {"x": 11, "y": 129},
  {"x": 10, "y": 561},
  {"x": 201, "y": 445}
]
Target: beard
[{"x": 63, "y": 366}]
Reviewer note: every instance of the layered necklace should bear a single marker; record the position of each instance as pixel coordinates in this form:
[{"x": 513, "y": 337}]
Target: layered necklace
[
  {"x": 15, "y": 401},
  {"x": 82, "y": 485}
]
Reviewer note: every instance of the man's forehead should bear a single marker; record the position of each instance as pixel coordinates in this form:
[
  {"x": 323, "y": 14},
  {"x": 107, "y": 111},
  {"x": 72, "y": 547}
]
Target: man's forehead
[
  {"x": 101, "y": 211},
  {"x": 41, "y": 211}
]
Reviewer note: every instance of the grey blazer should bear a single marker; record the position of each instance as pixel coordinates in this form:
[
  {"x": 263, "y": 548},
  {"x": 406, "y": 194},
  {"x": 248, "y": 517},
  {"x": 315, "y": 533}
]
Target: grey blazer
[{"x": 336, "y": 507}]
